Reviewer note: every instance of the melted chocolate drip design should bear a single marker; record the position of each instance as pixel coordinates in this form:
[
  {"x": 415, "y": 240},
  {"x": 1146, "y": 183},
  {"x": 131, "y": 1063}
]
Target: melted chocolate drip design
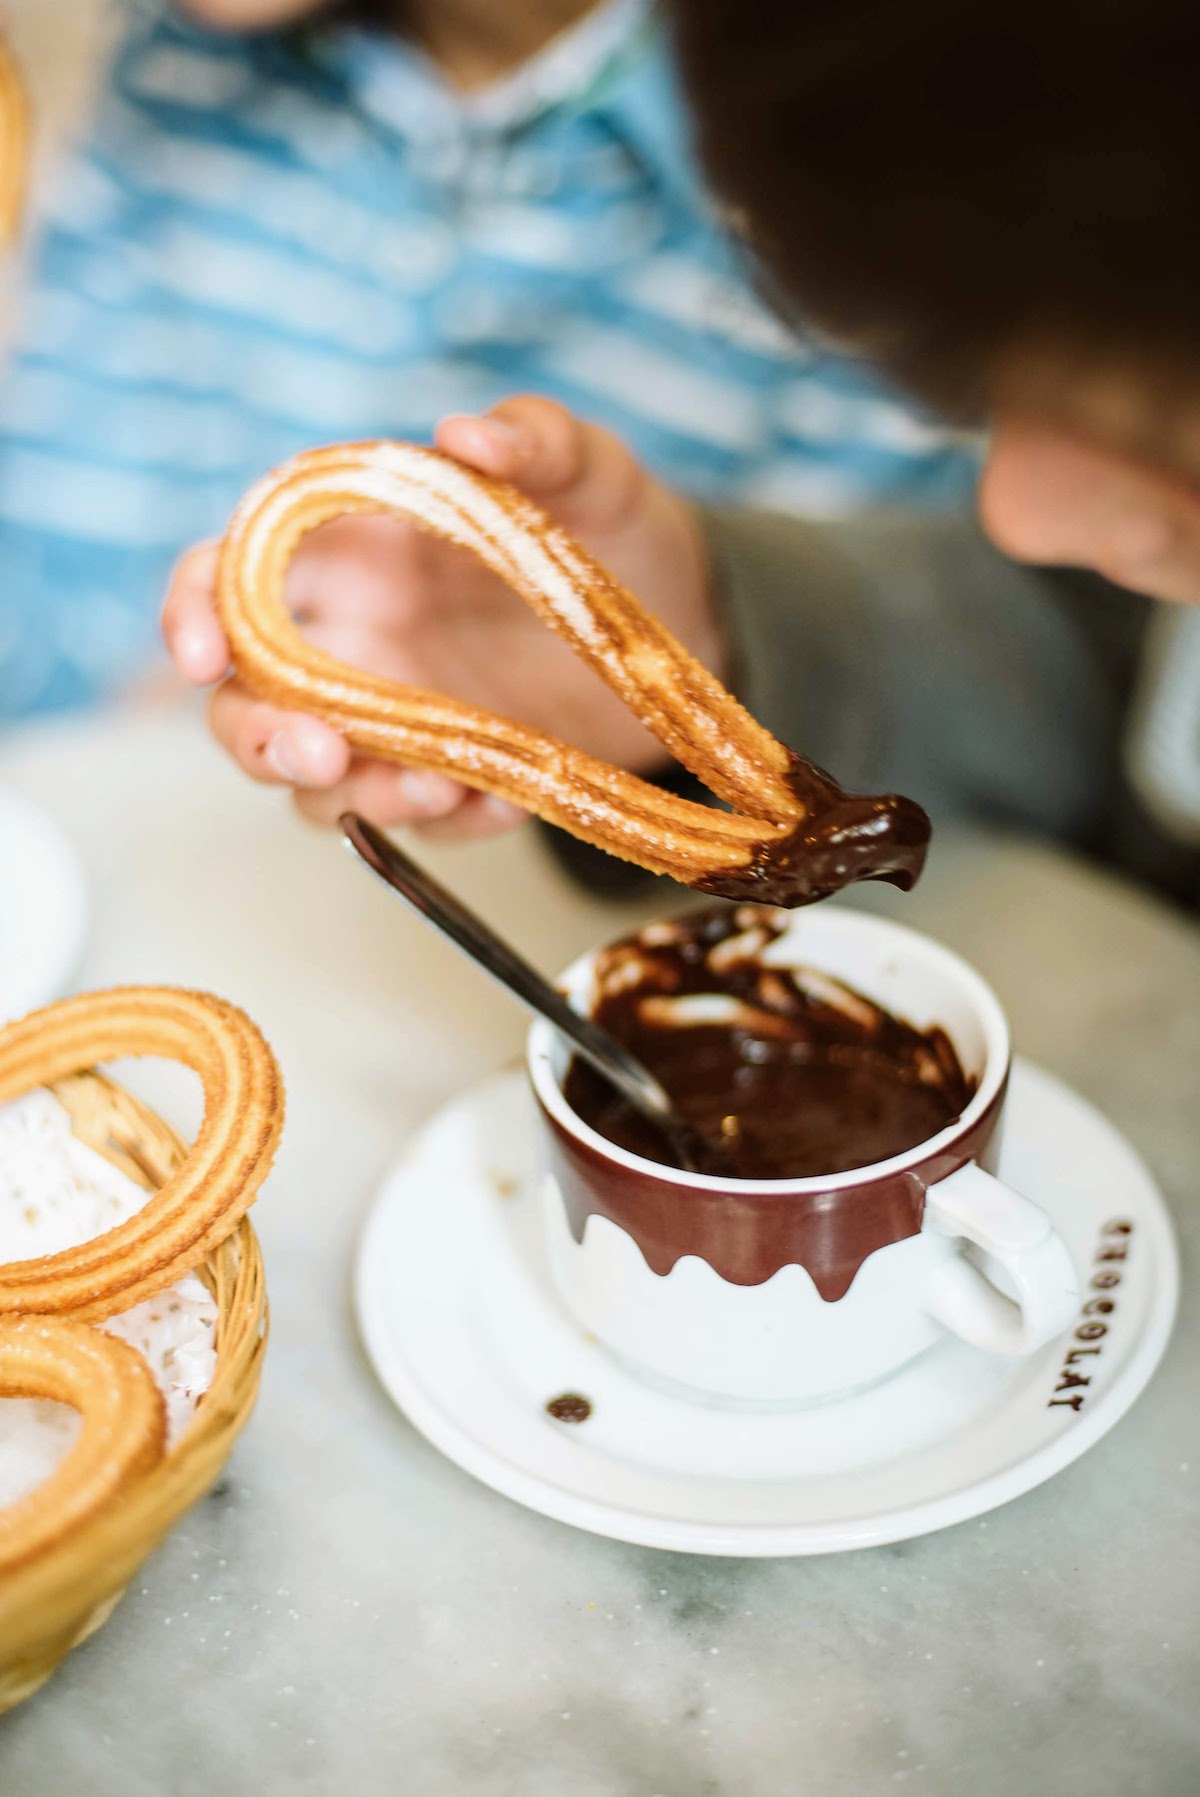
[{"x": 787, "y": 1073}]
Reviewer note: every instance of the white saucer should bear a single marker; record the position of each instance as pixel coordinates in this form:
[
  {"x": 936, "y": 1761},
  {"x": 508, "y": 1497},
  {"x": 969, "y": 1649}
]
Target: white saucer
[
  {"x": 43, "y": 908},
  {"x": 466, "y": 1333}
]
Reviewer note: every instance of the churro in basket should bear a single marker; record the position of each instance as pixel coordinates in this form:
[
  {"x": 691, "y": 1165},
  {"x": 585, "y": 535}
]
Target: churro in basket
[
  {"x": 200, "y": 1204},
  {"x": 70, "y": 1542},
  {"x": 123, "y": 1432}
]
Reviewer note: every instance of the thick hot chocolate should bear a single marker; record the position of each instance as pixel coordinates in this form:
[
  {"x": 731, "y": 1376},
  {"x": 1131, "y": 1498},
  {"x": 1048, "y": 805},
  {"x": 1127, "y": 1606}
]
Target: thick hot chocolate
[{"x": 783, "y": 1072}]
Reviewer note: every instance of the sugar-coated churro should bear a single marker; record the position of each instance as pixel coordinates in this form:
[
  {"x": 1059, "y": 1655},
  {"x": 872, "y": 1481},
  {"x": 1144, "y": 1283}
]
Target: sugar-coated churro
[
  {"x": 198, "y": 1206},
  {"x": 793, "y": 834},
  {"x": 122, "y": 1435}
]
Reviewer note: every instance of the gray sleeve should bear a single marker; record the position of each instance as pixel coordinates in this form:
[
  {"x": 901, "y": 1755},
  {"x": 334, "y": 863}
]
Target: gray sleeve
[{"x": 906, "y": 654}]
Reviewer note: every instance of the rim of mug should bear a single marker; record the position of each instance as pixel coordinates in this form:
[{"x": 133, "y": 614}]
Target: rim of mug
[{"x": 542, "y": 1038}]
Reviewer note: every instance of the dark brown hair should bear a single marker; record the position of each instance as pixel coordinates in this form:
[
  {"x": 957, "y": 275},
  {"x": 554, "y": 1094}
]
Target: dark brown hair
[
  {"x": 940, "y": 180},
  {"x": 384, "y": 15}
]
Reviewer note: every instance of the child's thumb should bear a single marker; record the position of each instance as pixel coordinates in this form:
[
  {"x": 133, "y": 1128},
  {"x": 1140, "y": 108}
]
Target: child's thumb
[{"x": 577, "y": 470}]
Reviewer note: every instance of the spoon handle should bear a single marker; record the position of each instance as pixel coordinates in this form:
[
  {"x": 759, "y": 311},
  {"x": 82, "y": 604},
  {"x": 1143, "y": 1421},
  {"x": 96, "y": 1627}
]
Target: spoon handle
[{"x": 469, "y": 932}]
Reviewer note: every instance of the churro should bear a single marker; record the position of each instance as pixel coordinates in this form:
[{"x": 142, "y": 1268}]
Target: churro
[
  {"x": 198, "y": 1206},
  {"x": 122, "y": 1435},
  {"x": 792, "y": 834},
  {"x": 14, "y": 146}
]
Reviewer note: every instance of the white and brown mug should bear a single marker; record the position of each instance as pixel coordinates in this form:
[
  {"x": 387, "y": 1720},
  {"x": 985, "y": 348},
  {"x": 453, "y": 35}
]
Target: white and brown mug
[{"x": 788, "y": 1291}]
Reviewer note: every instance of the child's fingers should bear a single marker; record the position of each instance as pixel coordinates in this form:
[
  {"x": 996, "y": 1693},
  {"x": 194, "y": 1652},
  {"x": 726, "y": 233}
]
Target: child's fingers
[
  {"x": 386, "y": 795},
  {"x": 530, "y": 440},
  {"x": 289, "y": 749},
  {"x": 280, "y": 748},
  {"x": 189, "y": 619},
  {"x": 584, "y": 475},
  {"x": 480, "y": 814}
]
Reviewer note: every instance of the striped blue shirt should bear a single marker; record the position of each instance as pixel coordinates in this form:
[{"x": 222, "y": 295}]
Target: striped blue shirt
[{"x": 266, "y": 242}]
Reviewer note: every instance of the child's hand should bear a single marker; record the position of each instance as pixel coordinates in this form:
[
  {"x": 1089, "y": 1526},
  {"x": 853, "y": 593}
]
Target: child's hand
[{"x": 385, "y": 596}]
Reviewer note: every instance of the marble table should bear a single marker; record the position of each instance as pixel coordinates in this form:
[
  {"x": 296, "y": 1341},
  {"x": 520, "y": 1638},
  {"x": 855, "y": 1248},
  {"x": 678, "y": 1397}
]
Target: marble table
[{"x": 351, "y": 1614}]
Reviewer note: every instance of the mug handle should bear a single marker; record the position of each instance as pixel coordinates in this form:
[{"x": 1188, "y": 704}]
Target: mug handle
[{"x": 1020, "y": 1244}]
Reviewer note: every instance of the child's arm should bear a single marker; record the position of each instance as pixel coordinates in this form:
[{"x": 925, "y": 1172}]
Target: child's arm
[
  {"x": 902, "y": 652},
  {"x": 382, "y": 595}
]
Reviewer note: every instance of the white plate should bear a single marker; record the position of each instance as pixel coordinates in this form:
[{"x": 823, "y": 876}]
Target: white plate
[
  {"x": 466, "y": 1333},
  {"x": 43, "y": 908}
]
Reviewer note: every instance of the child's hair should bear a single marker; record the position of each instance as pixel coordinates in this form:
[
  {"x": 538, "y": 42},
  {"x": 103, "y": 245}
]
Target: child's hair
[
  {"x": 940, "y": 180},
  {"x": 387, "y": 15}
]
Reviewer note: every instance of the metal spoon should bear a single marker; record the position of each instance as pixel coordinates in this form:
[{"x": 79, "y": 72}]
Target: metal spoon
[{"x": 429, "y": 897}]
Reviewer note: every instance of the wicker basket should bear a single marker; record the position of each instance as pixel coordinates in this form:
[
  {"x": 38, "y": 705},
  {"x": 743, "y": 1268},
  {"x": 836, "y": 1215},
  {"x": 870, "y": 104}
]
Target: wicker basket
[{"x": 49, "y": 1606}]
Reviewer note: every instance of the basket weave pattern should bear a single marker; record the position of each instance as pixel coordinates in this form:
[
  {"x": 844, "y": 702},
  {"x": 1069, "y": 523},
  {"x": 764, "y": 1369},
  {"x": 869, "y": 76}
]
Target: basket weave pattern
[{"x": 54, "y": 1602}]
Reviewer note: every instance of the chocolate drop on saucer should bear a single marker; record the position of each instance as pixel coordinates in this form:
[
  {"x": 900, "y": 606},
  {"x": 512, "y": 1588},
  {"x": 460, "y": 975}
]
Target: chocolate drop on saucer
[{"x": 571, "y": 1407}]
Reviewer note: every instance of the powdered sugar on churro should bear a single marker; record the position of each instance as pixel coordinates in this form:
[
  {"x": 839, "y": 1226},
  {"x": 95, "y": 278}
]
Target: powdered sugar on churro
[{"x": 55, "y": 1192}]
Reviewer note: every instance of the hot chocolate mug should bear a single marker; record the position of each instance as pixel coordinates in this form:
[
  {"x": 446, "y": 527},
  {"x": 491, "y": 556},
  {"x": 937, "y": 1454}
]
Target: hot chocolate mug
[{"x": 789, "y": 1291}]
